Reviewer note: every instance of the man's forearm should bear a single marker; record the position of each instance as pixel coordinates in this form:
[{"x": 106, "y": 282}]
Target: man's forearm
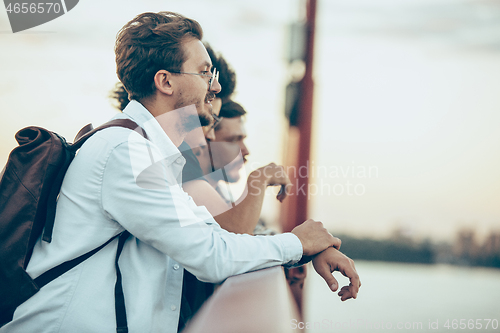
[{"x": 244, "y": 215}]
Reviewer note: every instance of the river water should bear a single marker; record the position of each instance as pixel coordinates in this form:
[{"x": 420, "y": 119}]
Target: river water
[{"x": 406, "y": 297}]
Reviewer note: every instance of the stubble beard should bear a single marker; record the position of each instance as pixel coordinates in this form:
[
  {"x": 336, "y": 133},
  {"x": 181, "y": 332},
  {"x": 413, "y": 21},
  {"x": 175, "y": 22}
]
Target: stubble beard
[{"x": 192, "y": 121}]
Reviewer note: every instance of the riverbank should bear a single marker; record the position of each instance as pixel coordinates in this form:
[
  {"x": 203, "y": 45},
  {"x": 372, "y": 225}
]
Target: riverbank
[{"x": 413, "y": 296}]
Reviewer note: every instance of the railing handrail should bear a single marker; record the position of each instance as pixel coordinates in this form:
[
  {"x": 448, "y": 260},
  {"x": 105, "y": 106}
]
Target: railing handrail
[{"x": 259, "y": 301}]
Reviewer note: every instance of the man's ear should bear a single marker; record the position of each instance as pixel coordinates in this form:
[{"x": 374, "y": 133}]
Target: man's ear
[{"x": 163, "y": 82}]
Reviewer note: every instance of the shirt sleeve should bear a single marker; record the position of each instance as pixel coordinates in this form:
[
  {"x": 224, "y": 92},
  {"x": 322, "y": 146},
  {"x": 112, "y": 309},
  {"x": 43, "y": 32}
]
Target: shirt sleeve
[{"x": 152, "y": 206}]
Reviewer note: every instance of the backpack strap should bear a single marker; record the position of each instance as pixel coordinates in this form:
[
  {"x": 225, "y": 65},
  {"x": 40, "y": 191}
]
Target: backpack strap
[
  {"x": 59, "y": 270},
  {"x": 87, "y": 128},
  {"x": 120, "y": 311},
  {"x": 50, "y": 216},
  {"x": 82, "y": 136}
]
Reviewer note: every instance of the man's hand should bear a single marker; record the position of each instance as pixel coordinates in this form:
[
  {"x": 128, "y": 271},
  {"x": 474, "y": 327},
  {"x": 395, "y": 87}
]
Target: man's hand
[
  {"x": 273, "y": 175},
  {"x": 332, "y": 260},
  {"x": 314, "y": 237}
]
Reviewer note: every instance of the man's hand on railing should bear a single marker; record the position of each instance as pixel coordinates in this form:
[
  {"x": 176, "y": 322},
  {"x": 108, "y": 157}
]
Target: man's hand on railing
[
  {"x": 331, "y": 260},
  {"x": 314, "y": 237}
]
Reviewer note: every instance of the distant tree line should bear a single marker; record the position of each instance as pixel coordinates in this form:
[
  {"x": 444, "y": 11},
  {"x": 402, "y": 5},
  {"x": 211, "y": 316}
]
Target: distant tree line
[
  {"x": 465, "y": 250},
  {"x": 387, "y": 250},
  {"x": 468, "y": 249}
]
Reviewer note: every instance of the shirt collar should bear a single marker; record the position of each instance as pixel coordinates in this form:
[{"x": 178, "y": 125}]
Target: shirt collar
[{"x": 140, "y": 115}]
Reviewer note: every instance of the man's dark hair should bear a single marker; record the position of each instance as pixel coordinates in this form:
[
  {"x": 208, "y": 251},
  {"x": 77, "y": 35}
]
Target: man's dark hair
[
  {"x": 231, "y": 109},
  {"x": 227, "y": 76},
  {"x": 149, "y": 43},
  {"x": 227, "y": 80},
  {"x": 119, "y": 96}
]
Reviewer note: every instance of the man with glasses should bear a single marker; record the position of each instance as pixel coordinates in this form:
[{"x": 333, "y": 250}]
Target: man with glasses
[
  {"x": 224, "y": 160},
  {"x": 119, "y": 181}
]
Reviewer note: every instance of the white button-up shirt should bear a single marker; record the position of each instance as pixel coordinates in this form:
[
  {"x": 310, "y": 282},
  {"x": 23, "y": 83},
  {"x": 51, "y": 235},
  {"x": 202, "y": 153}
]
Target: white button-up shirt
[{"x": 119, "y": 181}]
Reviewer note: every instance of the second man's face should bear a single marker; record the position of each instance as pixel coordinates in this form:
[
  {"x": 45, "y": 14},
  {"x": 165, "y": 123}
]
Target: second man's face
[{"x": 229, "y": 149}]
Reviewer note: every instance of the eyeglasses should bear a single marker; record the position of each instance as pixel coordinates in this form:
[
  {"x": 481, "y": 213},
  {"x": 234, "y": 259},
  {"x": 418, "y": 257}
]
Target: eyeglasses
[
  {"x": 217, "y": 121},
  {"x": 214, "y": 76}
]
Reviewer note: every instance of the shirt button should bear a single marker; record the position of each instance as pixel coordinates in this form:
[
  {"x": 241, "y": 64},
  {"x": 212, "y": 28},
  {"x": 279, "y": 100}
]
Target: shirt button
[
  {"x": 176, "y": 267},
  {"x": 173, "y": 308},
  {"x": 178, "y": 160}
]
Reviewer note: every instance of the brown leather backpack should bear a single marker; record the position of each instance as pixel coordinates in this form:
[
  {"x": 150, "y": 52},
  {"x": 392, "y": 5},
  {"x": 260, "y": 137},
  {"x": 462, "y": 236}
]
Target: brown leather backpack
[{"x": 29, "y": 187}]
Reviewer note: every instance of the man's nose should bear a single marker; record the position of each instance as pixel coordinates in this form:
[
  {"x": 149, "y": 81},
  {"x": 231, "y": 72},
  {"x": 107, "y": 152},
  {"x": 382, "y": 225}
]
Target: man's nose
[
  {"x": 210, "y": 135},
  {"x": 216, "y": 87},
  {"x": 244, "y": 150}
]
